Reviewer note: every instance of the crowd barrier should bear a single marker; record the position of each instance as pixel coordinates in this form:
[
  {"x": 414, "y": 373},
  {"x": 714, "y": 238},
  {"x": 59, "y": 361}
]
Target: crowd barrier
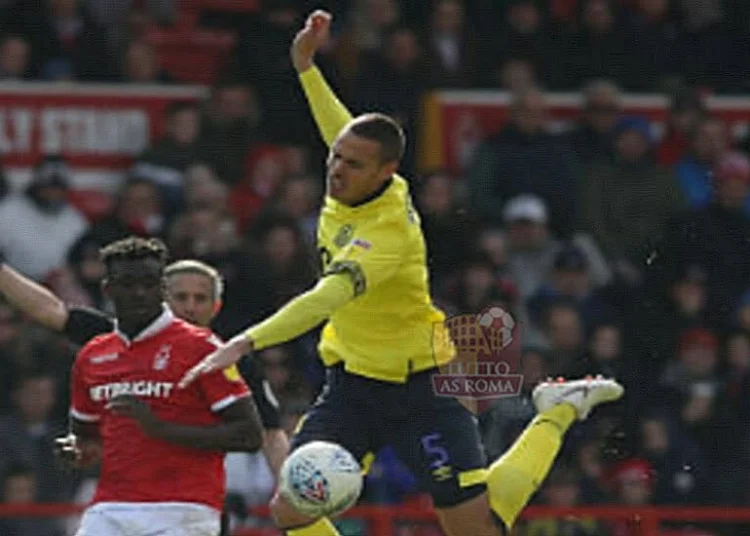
[{"x": 383, "y": 520}]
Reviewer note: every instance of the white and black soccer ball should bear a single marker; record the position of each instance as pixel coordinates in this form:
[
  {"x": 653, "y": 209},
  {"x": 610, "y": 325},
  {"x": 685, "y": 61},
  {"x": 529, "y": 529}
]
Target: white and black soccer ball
[
  {"x": 497, "y": 320},
  {"x": 320, "y": 479}
]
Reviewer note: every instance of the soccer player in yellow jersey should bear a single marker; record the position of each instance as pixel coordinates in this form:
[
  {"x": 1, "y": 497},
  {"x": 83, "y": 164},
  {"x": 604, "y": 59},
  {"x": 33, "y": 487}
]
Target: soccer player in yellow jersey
[{"x": 383, "y": 340}]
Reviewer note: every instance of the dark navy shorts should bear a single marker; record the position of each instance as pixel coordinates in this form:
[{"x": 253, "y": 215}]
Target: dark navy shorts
[{"x": 437, "y": 438}]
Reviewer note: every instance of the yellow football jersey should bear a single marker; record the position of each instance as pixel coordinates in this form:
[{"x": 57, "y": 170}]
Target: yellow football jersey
[{"x": 391, "y": 328}]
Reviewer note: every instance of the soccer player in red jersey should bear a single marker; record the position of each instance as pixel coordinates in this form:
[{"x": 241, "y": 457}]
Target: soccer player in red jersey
[{"x": 162, "y": 461}]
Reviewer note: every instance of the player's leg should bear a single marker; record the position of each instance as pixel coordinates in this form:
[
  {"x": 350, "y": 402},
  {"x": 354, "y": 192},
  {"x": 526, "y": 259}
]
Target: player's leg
[
  {"x": 439, "y": 442},
  {"x": 336, "y": 417},
  {"x": 514, "y": 477}
]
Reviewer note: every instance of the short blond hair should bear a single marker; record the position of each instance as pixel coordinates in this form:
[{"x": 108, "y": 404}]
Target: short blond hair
[{"x": 192, "y": 266}]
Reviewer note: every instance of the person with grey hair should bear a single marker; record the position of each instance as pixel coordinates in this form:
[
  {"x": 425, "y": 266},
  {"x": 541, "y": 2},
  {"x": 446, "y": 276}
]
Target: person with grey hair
[
  {"x": 524, "y": 158},
  {"x": 593, "y": 137}
]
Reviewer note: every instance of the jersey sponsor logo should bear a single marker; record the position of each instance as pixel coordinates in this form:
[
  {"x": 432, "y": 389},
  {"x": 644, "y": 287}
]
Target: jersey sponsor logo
[
  {"x": 105, "y": 358},
  {"x": 144, "y": 388},
  {"x": 161, "y": 359},
  {"x": 344, "y": 235}
]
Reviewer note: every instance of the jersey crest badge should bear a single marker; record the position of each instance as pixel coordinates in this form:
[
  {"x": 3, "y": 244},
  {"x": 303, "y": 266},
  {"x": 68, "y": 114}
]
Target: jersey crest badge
[
  {"x": 344, "y": 235},
  {"x": 161, "y": 360}
]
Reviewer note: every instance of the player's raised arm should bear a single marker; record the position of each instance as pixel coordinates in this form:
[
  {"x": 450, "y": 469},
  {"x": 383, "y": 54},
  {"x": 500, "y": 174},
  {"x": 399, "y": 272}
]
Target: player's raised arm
[{"x": 330, "y": 114}]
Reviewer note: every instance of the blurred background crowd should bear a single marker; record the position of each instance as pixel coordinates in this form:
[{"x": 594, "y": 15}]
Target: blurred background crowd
[{"x": 619, "y": 252}]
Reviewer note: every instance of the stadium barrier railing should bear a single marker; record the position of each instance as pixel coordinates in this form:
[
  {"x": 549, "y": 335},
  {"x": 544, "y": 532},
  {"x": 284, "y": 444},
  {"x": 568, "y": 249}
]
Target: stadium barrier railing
[{"x": 383, "y": 520}]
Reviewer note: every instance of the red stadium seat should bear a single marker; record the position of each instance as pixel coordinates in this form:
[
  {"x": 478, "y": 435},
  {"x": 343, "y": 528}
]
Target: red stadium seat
[{"x": 192, "y": 55}]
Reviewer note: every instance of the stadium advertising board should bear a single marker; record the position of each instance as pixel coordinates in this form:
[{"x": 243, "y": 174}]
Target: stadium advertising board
[
  {"x": 99, "y": 128},
  {"x": 454, "y": 122}
]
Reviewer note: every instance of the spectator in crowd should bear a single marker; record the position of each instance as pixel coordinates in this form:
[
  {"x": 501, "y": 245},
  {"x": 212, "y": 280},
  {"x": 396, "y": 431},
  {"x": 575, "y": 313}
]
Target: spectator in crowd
[
  {"x": 451, "y": 54},
  {"x": 523, "y": 37},
  {"x": 288, "y": 258},
  {"x": 679, "y": 466},
  {"x": 570, "y": 281},
  {"x": 517, "y": 75},
  {"x": 166, "y": 161},
  {"x": 15, "y": 57},
  {"x": 686, "y": 112},
  {"x": 28, "y": 431},
  {"x": 628, "y": 199},
  {"x": 737, "y": 355},
  {"x": 79, "y": 281},
  {"x": 631, "y": 482},
  {"x": 652, "y": 38},
  {"x": 562, "y": 489},
  {"x": 565, "y": 338},
  {"x": 41, "y": 216},
  {"x": 695, "y": 170},
  {"x": 598, "y": 49},
  {"x": 229, "y": 128},
  {"x": 138, "y": 211},
  {"x": 715, "y": 237},
  {"x": 65, "y": 40},
  {"x": 141, "y": 65},
  {"x": 448, "y": 230},
  {"x": 300, "y": 198},
  {"x": 594, "y": 137},
  {"x": 19, "y": 487},
  {"x": 204, "y": 189},
  {"x": 524, "y": 159},
  {"x": 392, "y": 82}
]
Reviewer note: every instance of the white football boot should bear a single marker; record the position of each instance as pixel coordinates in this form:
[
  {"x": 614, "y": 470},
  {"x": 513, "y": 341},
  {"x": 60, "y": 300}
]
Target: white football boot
[{"x": 584, "y": 395}]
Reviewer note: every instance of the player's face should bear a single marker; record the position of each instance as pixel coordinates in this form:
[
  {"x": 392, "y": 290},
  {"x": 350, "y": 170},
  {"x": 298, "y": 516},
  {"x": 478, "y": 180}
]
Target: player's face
[
  {"x": 191, "y": 297},
  {"x": 136, "y": 288},
  {"x": 355, "y": 170}
]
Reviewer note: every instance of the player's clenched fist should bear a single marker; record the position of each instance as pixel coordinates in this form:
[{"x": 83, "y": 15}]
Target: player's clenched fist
[
  {"x": 224, "y": 357},
  {"x": 310, "y": 39}
]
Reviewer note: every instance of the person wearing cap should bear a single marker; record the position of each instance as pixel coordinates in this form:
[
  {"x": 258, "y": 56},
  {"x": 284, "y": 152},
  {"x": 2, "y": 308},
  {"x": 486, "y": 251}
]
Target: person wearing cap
[
  {"x": 715, "y": 237},
  {"x": 627, "y": 200},
  {"x": 39, "y": 225}
]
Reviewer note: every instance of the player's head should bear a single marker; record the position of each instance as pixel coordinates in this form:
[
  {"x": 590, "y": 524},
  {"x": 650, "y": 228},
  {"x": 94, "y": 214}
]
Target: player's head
[
  {"x": 363, "y": 157},
  {"x": 134, "y": 279},
  {"x": 194, "y": 291}
]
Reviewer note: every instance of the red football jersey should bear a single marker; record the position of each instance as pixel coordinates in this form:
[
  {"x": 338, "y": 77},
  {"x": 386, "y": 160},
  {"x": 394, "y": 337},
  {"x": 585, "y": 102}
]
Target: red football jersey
[{"x": 136, "y": 468}]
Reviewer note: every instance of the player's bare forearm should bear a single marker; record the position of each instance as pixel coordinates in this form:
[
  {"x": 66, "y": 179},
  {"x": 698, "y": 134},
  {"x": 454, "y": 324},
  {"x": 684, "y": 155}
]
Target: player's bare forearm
[
  {"x": 32, "y": 298},
  {"x": 275, "y": 449},
  {"x": 240, "y": 431}
]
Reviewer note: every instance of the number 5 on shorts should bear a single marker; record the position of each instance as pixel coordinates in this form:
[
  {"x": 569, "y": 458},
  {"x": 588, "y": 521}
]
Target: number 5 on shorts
[{"x": 437, "y": 454}]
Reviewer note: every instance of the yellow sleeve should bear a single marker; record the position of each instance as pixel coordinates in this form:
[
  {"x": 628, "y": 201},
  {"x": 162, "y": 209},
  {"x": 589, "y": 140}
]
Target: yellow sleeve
[
  {"x": 330, "y": 115},
  {"x": 370, "y": 258},
  {"x": 302, "y": 313}
]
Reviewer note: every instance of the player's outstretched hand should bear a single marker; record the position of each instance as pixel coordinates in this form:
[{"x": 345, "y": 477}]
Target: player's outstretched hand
[
  {"x": 310, "y": 39},
  {"x": 226, "y": 356}
]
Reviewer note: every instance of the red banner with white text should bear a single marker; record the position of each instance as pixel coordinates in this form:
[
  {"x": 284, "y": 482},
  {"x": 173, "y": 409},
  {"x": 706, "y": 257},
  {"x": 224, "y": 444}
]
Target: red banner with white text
[
  {"x": 99, "y": 128},
  {"x": 455, "y": 122}
]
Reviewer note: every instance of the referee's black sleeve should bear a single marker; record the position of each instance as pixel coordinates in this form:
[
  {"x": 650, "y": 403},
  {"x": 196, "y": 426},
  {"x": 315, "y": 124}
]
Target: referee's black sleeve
[
  {"x": 268, "y": 406},
  {"x": 84, "y": 324}
]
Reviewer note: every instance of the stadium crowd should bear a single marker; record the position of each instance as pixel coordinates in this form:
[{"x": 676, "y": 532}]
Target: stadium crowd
[{"x": 619, "y": 252}]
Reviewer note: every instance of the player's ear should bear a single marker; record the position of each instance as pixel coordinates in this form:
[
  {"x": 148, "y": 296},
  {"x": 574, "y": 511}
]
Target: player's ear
[
  {"x": 390, "y": 168},
  {"x": 217, "y": 306},
  {"x": 105, "y": 287}
]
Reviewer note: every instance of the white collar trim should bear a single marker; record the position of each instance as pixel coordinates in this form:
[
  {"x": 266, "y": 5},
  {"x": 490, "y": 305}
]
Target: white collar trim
[{"x": 158, "y": 325}]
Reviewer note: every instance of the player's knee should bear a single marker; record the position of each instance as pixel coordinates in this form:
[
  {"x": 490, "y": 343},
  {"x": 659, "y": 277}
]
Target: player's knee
[{"x": 285, "y": 516}]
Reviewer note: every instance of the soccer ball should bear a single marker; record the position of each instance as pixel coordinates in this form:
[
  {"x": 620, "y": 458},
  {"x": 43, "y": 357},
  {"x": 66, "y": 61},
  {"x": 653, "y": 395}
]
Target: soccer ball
[
  {"x": 320, "y": 479},
  {"x": 498, "y": 321}
]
